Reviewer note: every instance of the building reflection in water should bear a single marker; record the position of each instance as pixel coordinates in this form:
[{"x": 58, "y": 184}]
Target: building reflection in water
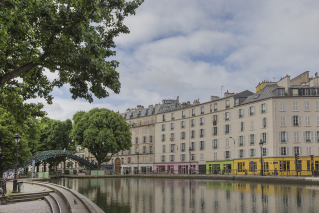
[{"x": 182, "y": 195}]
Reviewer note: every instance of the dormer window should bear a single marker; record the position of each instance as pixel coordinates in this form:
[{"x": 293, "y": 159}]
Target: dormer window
[
  {"x": 227, "y": 104},
  {"x": 237, "y": 101},
  {"x": 281, "y": 92}
]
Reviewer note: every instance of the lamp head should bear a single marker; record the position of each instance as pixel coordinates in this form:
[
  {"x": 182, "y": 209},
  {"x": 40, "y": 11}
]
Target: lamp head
[
  {"x": 17, "y": 137},
  {"x": 261, "y": 143}
]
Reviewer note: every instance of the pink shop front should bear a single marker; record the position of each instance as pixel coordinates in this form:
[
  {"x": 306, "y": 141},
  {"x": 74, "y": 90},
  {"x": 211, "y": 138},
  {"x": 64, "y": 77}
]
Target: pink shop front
[{"x": 176, "y": 168}]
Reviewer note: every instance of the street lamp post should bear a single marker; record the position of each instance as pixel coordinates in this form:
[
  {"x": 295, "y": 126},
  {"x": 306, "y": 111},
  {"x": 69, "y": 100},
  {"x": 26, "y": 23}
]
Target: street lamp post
[
  {"x": 138, "y": 159},
  {"x": 15, "y": 181},
  {"x": 190, "y": 150},
  {"x": 233, "y": 154},
  {"x": 261, "y": 143}
]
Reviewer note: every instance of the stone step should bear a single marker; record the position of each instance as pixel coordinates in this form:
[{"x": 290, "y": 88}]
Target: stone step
[
  {"x": 21, "y": 195},
  {"x": 60, "y": 202},
  {"x": 54, "y": 205}
]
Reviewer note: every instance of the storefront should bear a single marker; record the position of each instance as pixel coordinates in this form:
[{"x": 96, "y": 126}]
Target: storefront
[
  {"x": 176, "y": 168},
  {"x": 137, "y": 168},
  {"x": 219, "y": 167}
]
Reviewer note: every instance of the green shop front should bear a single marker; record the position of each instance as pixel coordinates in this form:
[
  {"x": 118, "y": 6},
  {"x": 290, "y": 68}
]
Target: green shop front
[{"x": 220, "y": 167}]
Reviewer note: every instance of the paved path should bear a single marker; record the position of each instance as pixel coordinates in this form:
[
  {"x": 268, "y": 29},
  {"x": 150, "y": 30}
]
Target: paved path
[
  {"x": 39, "y": 206},
  {"x": 28, "y": 188}
]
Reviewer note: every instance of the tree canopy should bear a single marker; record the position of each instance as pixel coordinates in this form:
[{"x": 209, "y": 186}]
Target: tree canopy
[
  {"x": 102, "y": 132},
  {"x": 70, "y": 37}
]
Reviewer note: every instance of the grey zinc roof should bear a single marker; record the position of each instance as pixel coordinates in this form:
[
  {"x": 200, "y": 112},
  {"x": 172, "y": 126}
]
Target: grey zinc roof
[
  {"x": 149, "y": 111},
  {"x": 266, "y": 92},
  {"x": 243, "y": 94}
]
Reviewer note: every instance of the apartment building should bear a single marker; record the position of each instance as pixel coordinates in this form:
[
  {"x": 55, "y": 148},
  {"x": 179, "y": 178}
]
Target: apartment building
[{"x": 140, "y": 157}]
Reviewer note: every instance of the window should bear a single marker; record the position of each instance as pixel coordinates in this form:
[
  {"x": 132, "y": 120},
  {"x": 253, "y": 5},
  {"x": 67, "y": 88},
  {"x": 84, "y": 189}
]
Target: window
[
  {"x": 192, "y": 146},
  {"x": 163, "y": 137},
  {"x": 183, "y": 135},
  {"x": 241, "y": 141},
  {"x": 163, "y": 127},
  {"x": 241, "y": 166},
  {"x": 183, "y": 124},
  {"x": 282, "y": 137},
  {"x": 136, "y": 131},
  {"x": 237, "y": 101},
  {"x": 193, "y": 122},
  {"x": 215, "y": 107},
  {"x": 128, "y": 160},
  {"x": 144, "y": 139},
  {"x": 317, "y": 136},
  {"x": 129, "y": 151},
  {"x": 252, "y": 152},
  {"x": 307, "y": 120},
  {"x": 122, "y": 161},
  {"x": 164, "y": 148},
  {"x": 183, "y": 157},
  {"x": 192, "y": 156},
  {"x": 172, "y": 147},
  {"x": 211, "y": 108},
  {"x": 151, "y": 129},
  {"x": 241, "y": 153},
  {"x": 241, "y": 113},
  {"x": 252, "y": 125},
  {"x": 136, "y": 140},
  {"x": 308, "y": 151},
  {"x": 202, "y": 133},
  {"x": 215, "y": 119},
  {"x": 151, "y": 139},
  {"x": 252, "y": 139},
  {"x": 307, "y": 106},
  {"x": 172, "y": 138},
  {"x": 227, "y": 154},
  {"x": 215, "y": 144},
  {"x": 264, "y": 151},
  {"x": 242, "y": 126},
  {"x": 202, "y": 145},
  {"x": 202, "y": 110},
  {"x": 183, "y": 114},
  {"x": 295, "y": 106},
  {"x": 227, "y": 129},
  {"x": 201, "y": 121},
  {"x": 183, "y": 147},
  {"x": 144, "y": 149},
  {"x": 282, "y": 106},
  {"x": 193, "y": 134},
  {"x": 294, "y": 92},
  {"x": 296, "y": 137},
  {"x": 151, "y": 149},
  {"x": 263, "y": 137},
  {"x": 297, "y": 150},
  {"x": 283, "y": 150},
  {"x": 193, "y": 112},
  {"x": 163, "y": 117},
  {"x": 307, "y": 136},
  {"x": 163, "y": 159},
  {"x": 295, "y": 120},
  {"x": 317, "y": 105},
  {"x": 264, "y": 123},
  {"x": 282, "y": 120},
  {"x": 215, "y": 155},
  {"x": 227, "y": 143},
  {"x": 251, "y": 110},
  {"x": 281, "y": 92},
  {"x": 227, "y": 116},
  {"x": 227, "y": 104},
  {"x": 172, "y": 126},
  {"x": 215, "y": 130},
  {"x": 263, "y": 108},
  {"x": 173, "y": 116},
  {"x": 136, "y": 150}
]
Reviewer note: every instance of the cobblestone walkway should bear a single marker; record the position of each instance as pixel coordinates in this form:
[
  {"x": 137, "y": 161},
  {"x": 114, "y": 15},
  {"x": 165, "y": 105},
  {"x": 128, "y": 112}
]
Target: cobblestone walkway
[
  {"x": 28, "y": 188},
  {"x": 39, "y": 206}
]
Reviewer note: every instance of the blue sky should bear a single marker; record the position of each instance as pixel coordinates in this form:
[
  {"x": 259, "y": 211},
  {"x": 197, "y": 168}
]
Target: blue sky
[{"x": 190, "y": 48}]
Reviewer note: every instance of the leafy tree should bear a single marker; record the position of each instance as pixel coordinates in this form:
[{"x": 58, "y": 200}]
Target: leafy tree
[
  {"x": 29, "y": 132},
  {"x": 101, "y": 131},
  {"x": 72, "y": 37}
]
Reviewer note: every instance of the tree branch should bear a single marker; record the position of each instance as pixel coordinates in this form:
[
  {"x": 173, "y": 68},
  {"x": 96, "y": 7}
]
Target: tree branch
[{"x": 3, "y": 4}]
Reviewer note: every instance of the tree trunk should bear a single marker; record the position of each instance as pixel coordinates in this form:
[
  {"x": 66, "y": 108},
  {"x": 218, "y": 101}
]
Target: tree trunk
[
  {"x": 45, "y": 166},
  {"x": 98, "y": 164},
  {"x": 64, "y": 166},
  {"x": 1, "y": 171}
]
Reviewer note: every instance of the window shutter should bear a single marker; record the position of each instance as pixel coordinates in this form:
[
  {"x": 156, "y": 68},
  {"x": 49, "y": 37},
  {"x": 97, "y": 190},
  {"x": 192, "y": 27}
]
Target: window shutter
[
  {"x": 267, "y": 154},
  {"x": 203, "y": 120},
  {"x": 254, "y": 110},
  {"x": 267, "y": 137},
  {"x": 212, "y": 131},
  {"x": 248, "y": 139},
  {"x": 181, "y": 135},
  {"x": 299, "y": 120},
  {"x": 304, "y": 136},
  {"x": 266, "y": 107},
  {"x": 204, "y": 132},
  {"x": 300, "y": 150},
  {"x": 248, "y": 111},
  {"x": 238, "y": 153},
  {"x": 217, "y": 118},
  {"x": 238, "y": 140},
  {"x": 217, "y": 143},
  {"x": 199, "y": 145},
  {"x": 287, "y": 150},
  {"x": 244, "y": 126},
  {"x": 316, "y": 137},
  {"x": 261, "y": 136},
  {"x": 244, "y": 140},
  {"x": 243, "y": 113},
  {"x": 292, "y": 120},
  {"x": 243, "y": 153},
  {"x": 224, "y": 154},
  {"x": 229, "y": 128},
  {"x": 267, "y": 122},
  {"x": 223, "y": 116},
  {"x": 212, "y": 119},
  {"x": 279, "y": 154},
  {"x": 238, "y": 113},
  {"x": 204, "y": 144},
  {"x": 194, "y": 134},
  {"x": 239, "y": 126},
  {"x": 317, "y": 120},
  {"x": 287, "y": 137},
  {"x": 217, "y": 130},
  {"x": 181, "y": 124},
  {"x": 223, "y": 129},
  {"x": 194, "y": 146},
  {"x": 229, "y": 115},
  {"x": 229, "y": 154},
  {"x": 279, "y": 137},
  {"x": 259, "y": 108},
  {"x": 311, "y": 136},
  {"x": 199, "y": 121}
]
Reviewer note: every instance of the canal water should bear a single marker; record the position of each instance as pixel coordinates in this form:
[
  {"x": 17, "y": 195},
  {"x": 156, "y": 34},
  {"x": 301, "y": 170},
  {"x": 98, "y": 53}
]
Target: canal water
[{"x": 143, "y": 195}]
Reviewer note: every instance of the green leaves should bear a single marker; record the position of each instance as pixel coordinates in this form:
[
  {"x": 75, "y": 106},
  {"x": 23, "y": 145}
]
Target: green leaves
[{"x": 101, "y": 131}]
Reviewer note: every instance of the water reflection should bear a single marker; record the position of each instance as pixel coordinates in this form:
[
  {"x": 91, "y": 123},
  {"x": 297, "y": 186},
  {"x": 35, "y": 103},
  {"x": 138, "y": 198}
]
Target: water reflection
[{"x": 181, "y": 195}]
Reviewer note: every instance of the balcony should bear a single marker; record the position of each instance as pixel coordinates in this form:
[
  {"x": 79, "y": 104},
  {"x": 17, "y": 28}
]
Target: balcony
[
  {"x": 201, "y": 136},
  {"x": 263, "y": 111},
  {"x": 193, "y": 136},
  {"x": 171, "y": 139},
  {"x": 201, "y": 113},
  {"x": 201, "y": 124},
  {"x": 163, "y": 130},
  {"x": 227, "y": 106},
  {"x": 193, "y": 114},
  {"x": 215, "y": 110},
  {"x": 214, "y": 122},
  {"x": 173, "y": 118}
]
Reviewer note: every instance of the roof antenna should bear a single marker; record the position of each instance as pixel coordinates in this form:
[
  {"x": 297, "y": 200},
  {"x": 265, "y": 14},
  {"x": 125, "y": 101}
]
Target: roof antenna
[
  {"x": 274, "y": 79},
  {"x": 221, "y": 91}
]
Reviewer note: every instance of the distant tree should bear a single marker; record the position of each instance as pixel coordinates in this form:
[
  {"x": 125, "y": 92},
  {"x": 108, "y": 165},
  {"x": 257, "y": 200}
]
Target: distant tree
[{"x": 101, "y": 131}]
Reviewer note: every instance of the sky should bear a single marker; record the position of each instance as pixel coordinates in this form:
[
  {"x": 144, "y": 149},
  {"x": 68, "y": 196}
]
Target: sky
[{"x": 190, "y": 49}]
